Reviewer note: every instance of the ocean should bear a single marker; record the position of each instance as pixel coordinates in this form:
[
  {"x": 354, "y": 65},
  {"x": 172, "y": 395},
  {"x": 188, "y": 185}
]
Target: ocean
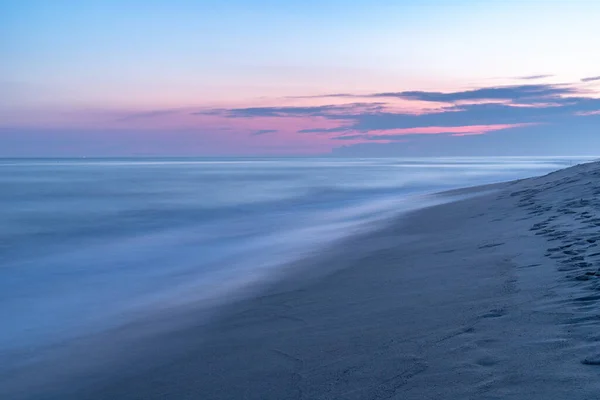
[{"x": 88, "y": 245}]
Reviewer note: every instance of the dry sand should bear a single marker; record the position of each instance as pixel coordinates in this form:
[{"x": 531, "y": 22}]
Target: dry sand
[{"x": 493, "y": 297}]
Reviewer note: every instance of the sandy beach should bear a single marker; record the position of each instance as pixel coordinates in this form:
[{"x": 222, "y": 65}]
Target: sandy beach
[{"x": 490, "y": 297}]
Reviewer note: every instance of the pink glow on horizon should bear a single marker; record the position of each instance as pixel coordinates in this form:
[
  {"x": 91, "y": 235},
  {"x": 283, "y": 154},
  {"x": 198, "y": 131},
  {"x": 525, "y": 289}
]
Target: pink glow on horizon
[
  {"x": 220, "y": 131},
  {"x": 222, "y": 125}
]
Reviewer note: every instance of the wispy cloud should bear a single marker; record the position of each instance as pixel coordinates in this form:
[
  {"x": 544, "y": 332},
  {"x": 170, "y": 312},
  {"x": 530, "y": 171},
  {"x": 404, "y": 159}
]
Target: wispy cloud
[
  {"x": 263, "y": 132},
  {"x": 305, "y": 111},
  {"x": 591, "y": 79},
  {"x": 317, "y": 96},
  {"x": 533, "y": 77},
  {"x": 588, "y": 113},
  {"x": 148, "y": 114},
  {"x": 327, "y": 130},
  {"x": 508, "y": 93},
  {"x": 401, "y": 134}
]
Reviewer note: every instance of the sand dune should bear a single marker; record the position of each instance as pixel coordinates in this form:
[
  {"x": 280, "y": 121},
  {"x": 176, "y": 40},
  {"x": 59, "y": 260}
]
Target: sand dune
[{"x": 492, "y": 297}]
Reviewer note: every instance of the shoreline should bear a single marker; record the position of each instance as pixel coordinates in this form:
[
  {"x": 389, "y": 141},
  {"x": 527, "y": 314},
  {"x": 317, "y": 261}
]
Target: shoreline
[{"x": 476, "y": 298}]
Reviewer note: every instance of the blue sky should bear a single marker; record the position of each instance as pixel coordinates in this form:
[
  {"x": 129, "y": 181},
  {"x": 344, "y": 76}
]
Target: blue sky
[{"x": 166, "y": 77}]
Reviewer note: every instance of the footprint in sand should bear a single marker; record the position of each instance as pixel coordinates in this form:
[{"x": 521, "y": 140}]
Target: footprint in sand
[
  {"x": 494, "y": 313},
  {"x": 591, "y": 360}
]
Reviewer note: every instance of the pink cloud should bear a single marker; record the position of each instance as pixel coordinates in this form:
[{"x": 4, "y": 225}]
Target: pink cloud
[
  {"x": 454, "y": 130},
  {"x": 588, "y": 113}
]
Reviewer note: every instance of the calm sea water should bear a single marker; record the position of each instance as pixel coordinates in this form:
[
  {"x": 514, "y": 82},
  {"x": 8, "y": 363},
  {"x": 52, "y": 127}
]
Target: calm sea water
[{"x": 87, "y": 245}]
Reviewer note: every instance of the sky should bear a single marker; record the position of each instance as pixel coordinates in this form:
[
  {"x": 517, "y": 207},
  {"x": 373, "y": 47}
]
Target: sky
[{"x": 330, "y": 77}]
